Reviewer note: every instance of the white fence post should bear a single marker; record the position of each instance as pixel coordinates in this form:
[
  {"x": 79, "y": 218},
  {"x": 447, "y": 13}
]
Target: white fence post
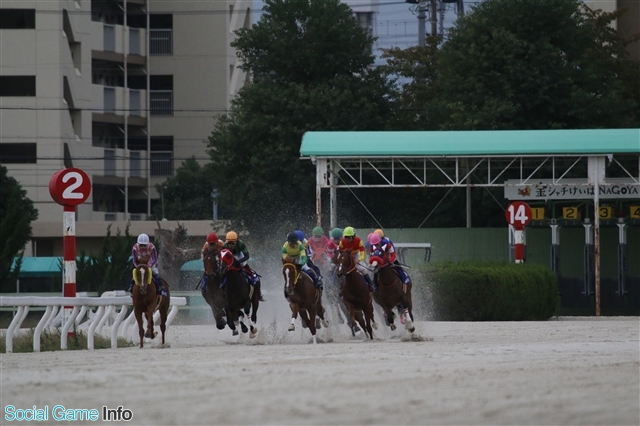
[{"x": 81, "y": 305}]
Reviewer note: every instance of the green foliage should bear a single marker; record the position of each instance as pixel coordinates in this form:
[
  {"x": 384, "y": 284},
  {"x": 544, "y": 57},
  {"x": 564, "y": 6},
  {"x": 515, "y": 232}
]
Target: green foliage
[
  {"x": 534, "y": 64},
  {"x": 187, "y": 195},
  {"x": 310, "y": 61},
  {"x": 16, "y": 214},
  {"x": 491, "y": 291},
  {"x": 111, "y": 268}
]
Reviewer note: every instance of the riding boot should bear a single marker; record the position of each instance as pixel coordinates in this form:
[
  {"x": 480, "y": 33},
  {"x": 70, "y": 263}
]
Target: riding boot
[
  {"x": 131, "y": 284},
  {"x": 369, "y": 283}
]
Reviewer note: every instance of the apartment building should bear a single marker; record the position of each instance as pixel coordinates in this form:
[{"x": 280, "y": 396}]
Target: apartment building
[
  {"x": 627, "y": 24},
  {"x": 123, "y": 89}
]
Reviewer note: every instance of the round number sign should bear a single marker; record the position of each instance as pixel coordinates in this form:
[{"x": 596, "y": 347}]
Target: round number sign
[
  {"x": 70, "y": 187},
  {"x": 518, "y": 214}
]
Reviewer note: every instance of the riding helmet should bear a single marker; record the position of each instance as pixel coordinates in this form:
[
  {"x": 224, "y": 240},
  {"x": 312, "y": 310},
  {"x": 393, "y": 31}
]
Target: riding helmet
[
  {"x": 349, "y": 231},
  {"x": 231, "y": 236},
  {"x": 379, "y": 232},
  {"x": 143, "y": 239},
  {"x": 318, "y": 231},
  {"x": 212, "y": 238},
  {"x": 336, "y": 233},
  {"x": 292, "y": 237},
  {"x": 300, "y": 235},
  {"x": 374, "y": 238}
]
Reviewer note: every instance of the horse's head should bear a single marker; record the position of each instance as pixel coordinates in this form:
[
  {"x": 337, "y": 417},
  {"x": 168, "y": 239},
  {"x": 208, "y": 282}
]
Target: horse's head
[
  {"x": 210, "y": 264},
  {"x": 344, "y": 263},
  {"x": 376, "y": 260},
  {"x": 142, "y": 277},
  {"x": 226, "y": 261},
  {"x": 290, "y": 273}
]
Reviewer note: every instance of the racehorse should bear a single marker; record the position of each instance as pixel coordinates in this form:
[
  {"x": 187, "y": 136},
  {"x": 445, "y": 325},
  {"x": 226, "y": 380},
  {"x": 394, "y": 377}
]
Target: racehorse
[
  {"x": 355, "y": 293},
  {"x": 303, "y": 297},
  {"x": 392, "y": 292},
  {"x": 332, "y": 284},
  {"x": 239, "y": 294},
  {"x": 146, "y": 301},
  {"x": 212, "y": 293}
]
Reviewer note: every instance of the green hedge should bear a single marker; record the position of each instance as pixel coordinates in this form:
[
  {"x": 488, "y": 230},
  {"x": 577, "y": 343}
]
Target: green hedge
[{"x": 490, "y": 291}]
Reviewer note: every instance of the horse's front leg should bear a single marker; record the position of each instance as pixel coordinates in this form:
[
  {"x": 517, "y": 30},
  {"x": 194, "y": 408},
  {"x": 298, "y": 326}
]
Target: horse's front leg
[
  {"x": 138, "y": 314},
  {"x": 149, "y": 314},
  {"x": 294, "y": 315},
  {"x": 388, "y": 317}
]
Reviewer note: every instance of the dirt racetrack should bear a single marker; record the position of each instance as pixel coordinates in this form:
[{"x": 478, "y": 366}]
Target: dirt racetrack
[{"x": 562, "y": 371}]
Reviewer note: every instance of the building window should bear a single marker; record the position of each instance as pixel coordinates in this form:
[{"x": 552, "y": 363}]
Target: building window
[
  {"x": 161, "y": 35},
  {"x": 18, "y": 153},
  {"x": 17, "y": 19},
  {"x": 161, "y": 95},
  {"x": 365, "y": 19},
  {"x": 161, "y": 156},
  {"x": 17, "y": 85}
]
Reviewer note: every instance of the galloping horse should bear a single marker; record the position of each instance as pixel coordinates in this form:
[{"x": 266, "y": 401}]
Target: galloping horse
[
  {"x": 303, "y": 297},
  {"x": 392, "y": 292},
  {"x": 332, "y": 284},
  {"x": 145, "y": 301},
  {"x": 355, "y": 293},
  {"x": 238, "y": 295},
  {"x": 212, "y": 293}
]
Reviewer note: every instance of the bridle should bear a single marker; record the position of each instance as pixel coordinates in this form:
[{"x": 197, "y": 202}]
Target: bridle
[{"x": 296, "y": 276}]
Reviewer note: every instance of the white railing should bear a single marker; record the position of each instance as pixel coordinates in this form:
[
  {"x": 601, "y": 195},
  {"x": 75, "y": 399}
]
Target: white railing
[{"x": 106, "y": 311}]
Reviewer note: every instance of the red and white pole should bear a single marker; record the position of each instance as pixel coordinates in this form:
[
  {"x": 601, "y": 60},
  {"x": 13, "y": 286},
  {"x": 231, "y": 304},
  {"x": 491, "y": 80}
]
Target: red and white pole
[
  {"x": 69, "y": 245},
  {"x": 518, "y": 237}
]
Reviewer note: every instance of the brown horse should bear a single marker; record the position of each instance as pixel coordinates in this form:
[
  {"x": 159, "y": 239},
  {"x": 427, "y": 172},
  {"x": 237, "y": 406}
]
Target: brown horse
[
  {"x": 392, "y": 292},
  {"x": 355, "y": 293},
  {"x": 239, "y": 295},
  {"x": 146, "y": 301},
  {"x": 303, "y": 297},
  {"x": 212, "y": 293}
]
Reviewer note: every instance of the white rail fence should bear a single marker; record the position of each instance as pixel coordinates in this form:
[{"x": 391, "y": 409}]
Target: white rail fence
[{"x": 106, "y": 312}]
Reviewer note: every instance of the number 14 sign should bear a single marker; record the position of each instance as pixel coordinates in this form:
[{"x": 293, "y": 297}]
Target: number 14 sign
[{"x": 518, "y": 214}]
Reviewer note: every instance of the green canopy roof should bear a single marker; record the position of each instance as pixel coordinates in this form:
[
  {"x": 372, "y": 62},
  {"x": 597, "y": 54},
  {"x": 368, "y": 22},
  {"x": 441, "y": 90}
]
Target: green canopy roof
[
  {"x": 39, "y": 266},
  {"x": 464, "y": 143}
]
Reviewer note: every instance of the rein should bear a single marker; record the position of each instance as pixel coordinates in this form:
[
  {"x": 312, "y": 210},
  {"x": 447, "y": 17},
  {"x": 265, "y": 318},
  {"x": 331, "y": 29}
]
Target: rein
[{"x": 297, "y": 274}]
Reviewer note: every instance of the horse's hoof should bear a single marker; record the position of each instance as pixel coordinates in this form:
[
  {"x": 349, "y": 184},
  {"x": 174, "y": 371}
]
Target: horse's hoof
[
  {"x": 374, "y": 325},
  {"x": 410, "y": 327},
  {"x": 292, "y": 327},
  {"x": 325, "y": 324},
  {"x": 244, "y": 328},
  {"x": 253, "y": 333},
  {"x": 318, "y": 323},
  {"x": 235, "y": 332},
  {"x": 393, "y": 327}
]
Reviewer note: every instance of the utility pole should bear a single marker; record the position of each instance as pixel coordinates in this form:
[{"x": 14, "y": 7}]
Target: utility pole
[
  {"x": 435, "y": 6},
  {"x": 421, "y": 24}
]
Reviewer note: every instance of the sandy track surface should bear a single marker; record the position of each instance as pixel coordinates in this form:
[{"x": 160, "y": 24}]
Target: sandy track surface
[{"x": 565, "y": 371}]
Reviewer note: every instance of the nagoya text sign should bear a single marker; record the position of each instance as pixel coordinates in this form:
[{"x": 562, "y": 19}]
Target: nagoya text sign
[{"x": 575, "y": 189}]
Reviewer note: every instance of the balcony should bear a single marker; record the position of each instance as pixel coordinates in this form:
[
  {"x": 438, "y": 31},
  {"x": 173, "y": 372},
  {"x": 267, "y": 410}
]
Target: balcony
[
  {"x": 107, "y": 43},
  {"x": 109, "y": 103}
]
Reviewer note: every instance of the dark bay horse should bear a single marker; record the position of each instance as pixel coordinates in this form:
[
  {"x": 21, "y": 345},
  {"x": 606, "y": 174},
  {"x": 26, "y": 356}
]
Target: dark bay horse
[
  {"x": 239, "y": 295},
  {"x": 392, "y": 292},
  {"x": 303, "y": 297},
  {"x": 332, "y": 284},
  {"x": 145, "y": 301},
  {"x": 355, "y": 293},
  {"x": 212, "y": 293}
]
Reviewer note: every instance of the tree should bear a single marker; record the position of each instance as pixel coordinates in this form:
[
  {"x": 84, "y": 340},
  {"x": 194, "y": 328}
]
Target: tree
[
  {"x": 534, "y": 64},
  {"x": 16, "y": 214},
  {"x": 187, "y": 196},
  {"x": 310, "y": 62}
]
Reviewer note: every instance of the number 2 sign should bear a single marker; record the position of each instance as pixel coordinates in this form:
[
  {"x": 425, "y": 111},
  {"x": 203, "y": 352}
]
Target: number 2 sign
[
  {"x": 518, "y": 214},
  {"x": 70, "y": 187}
]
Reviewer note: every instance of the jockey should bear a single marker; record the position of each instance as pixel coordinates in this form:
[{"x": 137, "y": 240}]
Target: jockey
[
  {"x": 353, "y": 244},
  {"x": 241, "y": 254},
  {"x": 294, "y": 248},
  {"x": 382, "y": 251},
  {"x": 332, "y": 245},
  {"x": 309, "y": 252},
  {"x": 212, "y": 246},
  {"x": 318, "y": 245},
  {"x": 145, "y": 253}
]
